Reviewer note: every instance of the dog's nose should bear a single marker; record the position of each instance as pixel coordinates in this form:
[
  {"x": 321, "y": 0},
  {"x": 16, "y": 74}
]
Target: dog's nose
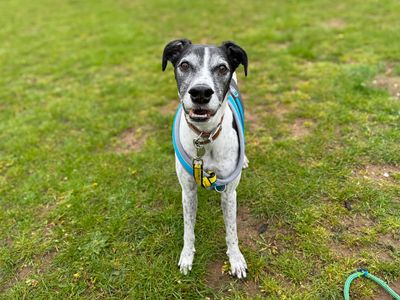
[{"x": 201, "y": 94}]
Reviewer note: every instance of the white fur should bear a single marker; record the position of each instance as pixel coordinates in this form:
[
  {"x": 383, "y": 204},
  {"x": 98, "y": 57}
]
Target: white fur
[
  {"x": 221, "y": 157},
  {"x": 203, "y": 77}
]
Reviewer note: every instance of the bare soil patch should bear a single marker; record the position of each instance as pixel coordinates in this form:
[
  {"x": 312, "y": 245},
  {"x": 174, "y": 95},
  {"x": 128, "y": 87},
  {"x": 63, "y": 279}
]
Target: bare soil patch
[
  {"x": 379, "y": 173},
  {"x": 47, "y": 208},
  {"x": 383, "y": 295},
  {"x": 38, "y": 265},
  {"x": 247, "y": 227},
  {"x": 357, "y": 223},
  {"x": 388, "y": 81},
  {"x": 336, "y": 24},
  {"x": 390, "y": 240},
  {"x": 259, "y": 234},
  {"x": 301, "y": 128},
  {"x": 169, "y": 108},
  {"x": 253, "y": 119},
  {"x": 357, "y": 226},
  {"x": 251, "y": 288},
  {"x": 255, "y": 115},
  {"x": 24, "y": 272},
  {"x": 216, "y": 278},
  {"x": 280, "y": 46},
  {"x": 280, "y": 110},
  {"x": 46, "y": 260},
  {"x": 132, "y": 140}
]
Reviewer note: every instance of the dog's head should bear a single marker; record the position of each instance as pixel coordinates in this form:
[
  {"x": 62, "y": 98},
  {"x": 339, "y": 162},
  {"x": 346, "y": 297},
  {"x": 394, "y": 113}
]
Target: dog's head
[{"x": 203, "y": 74}]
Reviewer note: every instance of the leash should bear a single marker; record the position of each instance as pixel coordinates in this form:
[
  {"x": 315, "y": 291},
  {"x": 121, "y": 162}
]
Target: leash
[
  {"x": 195, "y": 166},
  {"x": 364, "y": 273}
]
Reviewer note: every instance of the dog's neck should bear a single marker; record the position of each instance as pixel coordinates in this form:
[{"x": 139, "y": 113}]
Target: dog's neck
[
  {"x": 206, "y": 137},
  {"x": 213, "y": 123},
  {"x": 190, "y": 134}
]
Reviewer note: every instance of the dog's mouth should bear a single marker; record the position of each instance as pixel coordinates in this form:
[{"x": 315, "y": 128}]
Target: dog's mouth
[{"x": 200, "y": 114}]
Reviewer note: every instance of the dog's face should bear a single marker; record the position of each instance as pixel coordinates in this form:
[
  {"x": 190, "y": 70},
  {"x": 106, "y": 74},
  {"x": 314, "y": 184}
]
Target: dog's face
[{"x": 203, "y": 74}]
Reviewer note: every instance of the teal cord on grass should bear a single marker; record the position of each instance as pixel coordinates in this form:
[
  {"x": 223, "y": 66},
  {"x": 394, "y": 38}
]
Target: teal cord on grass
[{"x": 365, "y": 273}]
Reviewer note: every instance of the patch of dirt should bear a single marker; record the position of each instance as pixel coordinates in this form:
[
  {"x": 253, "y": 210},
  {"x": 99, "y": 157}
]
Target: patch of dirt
[
  {"x": 254, "y": 115},
  {"x": 216, "y": 278},
  {"x": 354, "y": 224},
  {"x": 383, "y": 295},
  {"x": 261, "y": 235},
  {"x": 169, "y": 108},
  {"x": 358, "y": 225},
  {"x": 341, "y": 250},
  {"x": 388, "y": 81},
  {"x": 280, "y": 110},
  {"x": 379, "y": 173},
  {"x": 336, "y": 24},
  {"x": 251, "y": 288},
  {"x": 132, "y": 140},
  {"x": 8, "y": 242},
  {"x": 46, "y": 260},
  {"x": 346, "y": 251},
  {"x": 390, "y": 240},
  {"x": 24, "y": 272},
  {"x": 47, "y": 208},
  {"x": 253, "y": 119},
  {"x": 301, "y": 128},
  {"x": 357, "y": 222},
  {"x": 41, "y": 265},
  {"x": 247, "y": 227}
]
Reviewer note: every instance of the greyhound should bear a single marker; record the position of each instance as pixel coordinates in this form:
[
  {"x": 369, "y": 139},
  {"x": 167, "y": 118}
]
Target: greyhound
[{"x": 208, "y": 132}]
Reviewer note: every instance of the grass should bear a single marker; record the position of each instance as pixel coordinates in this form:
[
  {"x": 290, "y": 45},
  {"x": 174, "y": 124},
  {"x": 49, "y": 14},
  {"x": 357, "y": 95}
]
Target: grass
[{"x": 82, "y": 217}]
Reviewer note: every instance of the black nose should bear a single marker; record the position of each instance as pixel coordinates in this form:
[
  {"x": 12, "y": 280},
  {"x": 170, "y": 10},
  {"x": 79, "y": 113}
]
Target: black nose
[{"x": 201, "y": 94}]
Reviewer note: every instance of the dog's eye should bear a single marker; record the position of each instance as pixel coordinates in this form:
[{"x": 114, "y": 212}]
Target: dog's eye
[
  {"x": 222, "y": 69},
  {"x": 184, "y": 67}
]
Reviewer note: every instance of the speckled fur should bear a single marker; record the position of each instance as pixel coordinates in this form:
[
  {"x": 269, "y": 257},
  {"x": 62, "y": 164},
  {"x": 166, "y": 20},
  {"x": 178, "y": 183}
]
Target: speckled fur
[{"x": 221, "y": 155}]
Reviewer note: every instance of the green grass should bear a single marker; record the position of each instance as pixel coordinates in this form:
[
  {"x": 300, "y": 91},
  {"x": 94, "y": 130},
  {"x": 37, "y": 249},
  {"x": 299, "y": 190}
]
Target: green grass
[{"x": 78, "y": 220}]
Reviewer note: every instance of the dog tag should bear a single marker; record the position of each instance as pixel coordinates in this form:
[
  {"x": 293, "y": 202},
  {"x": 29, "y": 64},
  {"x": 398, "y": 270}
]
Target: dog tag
[{"x": 200, "y": 151}]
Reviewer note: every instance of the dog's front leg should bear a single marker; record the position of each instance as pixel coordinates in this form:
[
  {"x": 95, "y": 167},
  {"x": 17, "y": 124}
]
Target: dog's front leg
[
  {"x": 236, "y": 259},
  {"x": 189, "y": 203}
]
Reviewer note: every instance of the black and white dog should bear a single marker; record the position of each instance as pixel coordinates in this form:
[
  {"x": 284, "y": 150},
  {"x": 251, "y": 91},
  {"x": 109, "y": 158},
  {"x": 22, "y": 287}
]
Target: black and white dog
[{"x": 203, "y": 74}]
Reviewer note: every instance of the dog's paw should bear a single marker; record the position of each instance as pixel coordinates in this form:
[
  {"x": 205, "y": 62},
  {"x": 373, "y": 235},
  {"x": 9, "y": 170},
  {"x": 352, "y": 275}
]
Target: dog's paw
[
  {"x": 245, "y": 162},
  {"x": 238, "y": 264},
  {"x": 186, "y": 261}
]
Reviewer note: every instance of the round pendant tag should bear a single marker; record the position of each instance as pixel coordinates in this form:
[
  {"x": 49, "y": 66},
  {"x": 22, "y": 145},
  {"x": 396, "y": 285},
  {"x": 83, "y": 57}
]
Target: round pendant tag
[{"x": 200, "y": 151}]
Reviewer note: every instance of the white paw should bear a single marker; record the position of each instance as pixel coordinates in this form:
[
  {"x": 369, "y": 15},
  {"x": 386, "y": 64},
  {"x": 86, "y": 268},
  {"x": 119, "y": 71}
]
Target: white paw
[
  {"x": 186, "y": 261},
  {"x": 238, "y": 264},
  {"x": 245, "y": 162}
]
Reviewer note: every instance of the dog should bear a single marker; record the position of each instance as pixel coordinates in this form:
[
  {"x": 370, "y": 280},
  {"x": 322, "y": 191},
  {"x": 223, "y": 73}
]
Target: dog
[{"x": 204, "y": 74}]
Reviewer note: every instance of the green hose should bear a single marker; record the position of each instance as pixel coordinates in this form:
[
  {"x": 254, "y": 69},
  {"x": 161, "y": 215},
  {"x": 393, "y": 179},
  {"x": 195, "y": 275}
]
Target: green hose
[{"x": 364, "y": 273}]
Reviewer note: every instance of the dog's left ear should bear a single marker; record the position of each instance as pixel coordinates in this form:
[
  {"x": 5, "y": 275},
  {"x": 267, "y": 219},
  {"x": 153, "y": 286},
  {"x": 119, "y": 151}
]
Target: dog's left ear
[
  {"x": 173, "y": 50},
  {"x": 236, "y": 55}
]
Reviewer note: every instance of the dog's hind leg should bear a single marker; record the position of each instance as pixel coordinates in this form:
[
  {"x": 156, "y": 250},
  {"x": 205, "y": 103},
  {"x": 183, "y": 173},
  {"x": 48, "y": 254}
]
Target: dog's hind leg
[
  {"x": 189, "y": 203},
  {"x": 236, "y": 259}
]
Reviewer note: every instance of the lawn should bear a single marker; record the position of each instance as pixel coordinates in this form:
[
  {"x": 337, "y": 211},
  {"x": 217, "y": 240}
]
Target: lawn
[{"x": 90, "y": 205}]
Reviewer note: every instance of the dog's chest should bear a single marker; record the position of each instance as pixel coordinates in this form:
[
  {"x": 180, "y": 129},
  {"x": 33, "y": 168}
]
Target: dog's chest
[
  {"x": 222, "y": 160},
  {"x": 221, "y": 156}
]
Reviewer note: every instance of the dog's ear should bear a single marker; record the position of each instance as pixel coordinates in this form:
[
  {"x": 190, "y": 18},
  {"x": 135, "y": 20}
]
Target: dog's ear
[
  {"x": 236, "y": 55},
  {"x": 173, "y": 50}
]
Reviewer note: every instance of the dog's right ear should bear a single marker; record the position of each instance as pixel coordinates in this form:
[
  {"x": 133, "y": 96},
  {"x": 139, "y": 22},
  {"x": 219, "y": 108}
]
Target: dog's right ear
[{"x": 173, "y": 50}]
